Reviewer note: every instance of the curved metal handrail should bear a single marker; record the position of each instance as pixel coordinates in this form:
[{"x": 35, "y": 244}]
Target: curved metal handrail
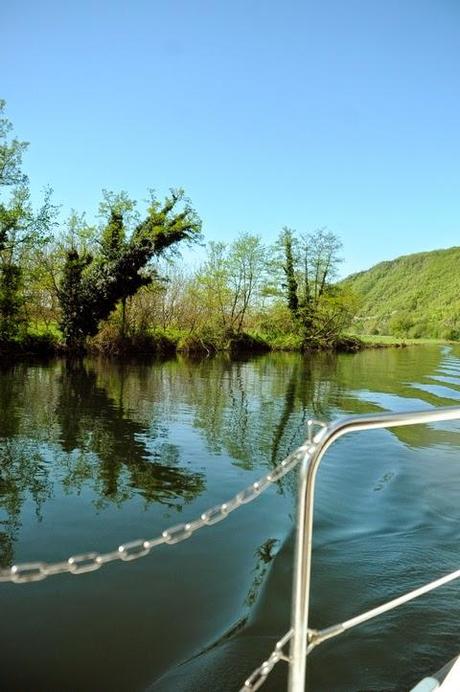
[{"x": 303, "y": 639}]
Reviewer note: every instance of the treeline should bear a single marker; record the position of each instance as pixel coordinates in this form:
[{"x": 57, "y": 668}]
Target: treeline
[{"x": 119, "y": 286}]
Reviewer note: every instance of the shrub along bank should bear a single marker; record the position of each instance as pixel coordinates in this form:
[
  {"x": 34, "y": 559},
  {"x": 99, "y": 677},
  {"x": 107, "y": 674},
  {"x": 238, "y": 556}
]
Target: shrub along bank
[{"x": 163, "y": 343}]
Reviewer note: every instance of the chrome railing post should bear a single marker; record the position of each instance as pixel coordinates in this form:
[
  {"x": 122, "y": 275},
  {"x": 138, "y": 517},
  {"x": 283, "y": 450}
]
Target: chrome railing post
[
  {"x": 302, "y": 564},
  {"x": 303, "y": 543}
]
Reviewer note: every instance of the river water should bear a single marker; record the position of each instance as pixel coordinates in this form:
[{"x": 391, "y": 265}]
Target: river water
[{"x": 96, "y": 453}]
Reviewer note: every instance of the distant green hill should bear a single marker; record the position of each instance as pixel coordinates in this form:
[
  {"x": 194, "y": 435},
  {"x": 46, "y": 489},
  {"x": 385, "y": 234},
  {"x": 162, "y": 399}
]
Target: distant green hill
[{"x": 411, "y": 296}]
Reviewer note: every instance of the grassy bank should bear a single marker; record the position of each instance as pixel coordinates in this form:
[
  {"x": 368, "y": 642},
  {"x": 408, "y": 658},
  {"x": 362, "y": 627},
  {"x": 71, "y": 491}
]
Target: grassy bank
[
  {"x": 167, "y": 342},
  {"x": 31, "y": 344},
  {"x": 381, "y": 340}
]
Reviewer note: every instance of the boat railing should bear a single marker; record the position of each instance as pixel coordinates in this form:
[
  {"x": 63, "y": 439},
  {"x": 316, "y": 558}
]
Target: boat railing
[{"x": 302, "y": 638}]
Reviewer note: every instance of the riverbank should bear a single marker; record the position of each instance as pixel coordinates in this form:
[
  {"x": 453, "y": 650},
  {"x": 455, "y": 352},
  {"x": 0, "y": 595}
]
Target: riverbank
[
  {"x": 381, "y": 341},
  {"x": 164, "y": 343}
]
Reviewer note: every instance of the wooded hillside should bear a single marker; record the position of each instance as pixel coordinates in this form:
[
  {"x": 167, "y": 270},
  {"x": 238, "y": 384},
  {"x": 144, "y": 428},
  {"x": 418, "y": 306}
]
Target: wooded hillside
[{"x": 412, "y": 296}]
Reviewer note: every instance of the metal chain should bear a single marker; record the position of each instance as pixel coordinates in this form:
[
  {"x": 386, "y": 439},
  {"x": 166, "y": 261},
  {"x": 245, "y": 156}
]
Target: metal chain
[
  {"x": 258, "y": 677},
  {"x": 89, "y": 562}
]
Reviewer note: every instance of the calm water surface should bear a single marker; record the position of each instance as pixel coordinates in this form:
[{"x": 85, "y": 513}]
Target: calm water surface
[{"x": 93, "y": 454}]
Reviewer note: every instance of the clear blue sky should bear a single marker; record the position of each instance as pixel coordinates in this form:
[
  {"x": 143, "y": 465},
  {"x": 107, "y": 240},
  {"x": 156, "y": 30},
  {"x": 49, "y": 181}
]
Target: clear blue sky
[{"x": 344, "y": 113}]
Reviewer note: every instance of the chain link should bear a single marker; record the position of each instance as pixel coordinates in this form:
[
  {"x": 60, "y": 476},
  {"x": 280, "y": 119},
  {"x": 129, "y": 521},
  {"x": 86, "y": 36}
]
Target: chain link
[
  {"x": 92, "y": 561},
  {"x": 260, "y": 674}
]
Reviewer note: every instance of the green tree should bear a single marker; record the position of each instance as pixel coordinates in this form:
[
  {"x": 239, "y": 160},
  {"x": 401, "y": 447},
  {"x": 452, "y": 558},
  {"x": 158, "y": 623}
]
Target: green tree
[
  {"x": 212, "y": 289},
  {"x": 10, "y": 300},
  {"x": 287, "y": 241},
  {"x": 93, "y": 284},
  {"x": 22, "y": 229},
  {"x": 229, "y": 281},
  {"x": 320, "y": 263},
  {"x": 319, "y": 309},
  {"x": 246, "y": 267}
]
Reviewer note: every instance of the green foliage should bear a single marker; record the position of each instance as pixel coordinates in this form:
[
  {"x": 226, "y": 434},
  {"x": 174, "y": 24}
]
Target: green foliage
[
  {"x": 291, "y": 286},
  {"x": 44, "y": 344},
  {"x": 92, "y": 286},
  {"x": 102, "y": 281},
  {"x": 348, "y": 344},
  {"x": 22, "y": 230},
  {"x": 75, "y": 321},
  {"x": 198, "y": 343},
  {"x": 284, "y": 342},
  {"x": 386, "y": 340},
  {"x": 319, "y": 310},
  {"x": 401, "y": 324},
  {"x": 228, "y": 284},
  {"x": 110, "y": 342},
  {"x": 113, "y": 237},
  {"x": 10, "y": 301},
  {"x": 412, "y": 296},
  {"x": 244, "y": 342}
]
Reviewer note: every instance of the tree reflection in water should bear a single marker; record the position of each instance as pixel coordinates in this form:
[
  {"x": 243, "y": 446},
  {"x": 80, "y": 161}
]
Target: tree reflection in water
[
  {"x": 105, "y": 426},
  {"x": 109, "y": 427},
  {"x": 22, "y": 474},
  {"x": 119, "y": 460},
  {"x": 91, "y": 441}
]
